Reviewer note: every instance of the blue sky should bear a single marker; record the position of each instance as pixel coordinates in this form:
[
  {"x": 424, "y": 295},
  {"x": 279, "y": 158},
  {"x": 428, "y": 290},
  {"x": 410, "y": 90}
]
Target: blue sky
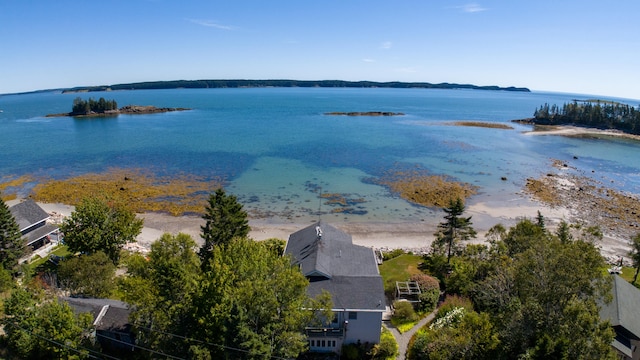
[{"x": 587, "y": 47}]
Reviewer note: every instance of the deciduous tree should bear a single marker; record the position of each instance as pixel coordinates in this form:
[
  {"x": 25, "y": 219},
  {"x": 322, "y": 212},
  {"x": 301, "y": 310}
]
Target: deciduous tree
[
  {"x": 44, "y": 328},
  {"x": 88, "y": 275},
  {"x": 97, "y": 225}
]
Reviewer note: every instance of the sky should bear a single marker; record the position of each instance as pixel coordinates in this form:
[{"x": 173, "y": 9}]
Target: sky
[{"x": 585, "y": 47}]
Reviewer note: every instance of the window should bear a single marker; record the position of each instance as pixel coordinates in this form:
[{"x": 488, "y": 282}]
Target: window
[
  {"x": 313, "y": 343},
  {"x": 323, "y": 344},
  {"x": 353, "y": 315}
]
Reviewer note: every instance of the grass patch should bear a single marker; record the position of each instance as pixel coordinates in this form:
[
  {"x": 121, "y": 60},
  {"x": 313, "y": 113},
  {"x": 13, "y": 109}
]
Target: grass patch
[
  {"x": 403, "y": 327},
  {"x": 399, "y": 269},
  {"x": 33, "y": 266},
  {"x": 627, "y": 274}
]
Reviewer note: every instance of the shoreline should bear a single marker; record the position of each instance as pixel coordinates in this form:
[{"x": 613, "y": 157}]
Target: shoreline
[
  {"x": 572, "y": 131},
  {"x": 415, "y": 236}
]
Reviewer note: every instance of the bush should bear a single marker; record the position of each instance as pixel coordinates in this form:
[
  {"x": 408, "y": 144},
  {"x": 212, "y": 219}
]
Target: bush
[
  {"x": 392, "y": 254},
  {"x": 404, "y": 312},
  {"x": 425, "y": 281},
  {"x": 388, "y": 347},
  {"x": 451, "y": 302},
  {"x": 429, "y": 299}
]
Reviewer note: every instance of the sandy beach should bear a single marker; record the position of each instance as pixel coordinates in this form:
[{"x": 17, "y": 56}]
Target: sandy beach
[
  {"x": 415, "y": 236},
  {"x": 566, "y": 130}
]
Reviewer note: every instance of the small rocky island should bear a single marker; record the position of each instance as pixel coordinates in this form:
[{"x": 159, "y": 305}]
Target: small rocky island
[
  {"x": 102, "y": 107},
  {"x": 364, "y": 113}
]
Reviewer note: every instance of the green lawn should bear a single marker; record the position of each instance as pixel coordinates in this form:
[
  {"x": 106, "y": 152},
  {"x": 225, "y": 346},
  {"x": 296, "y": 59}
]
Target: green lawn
[
  {"x": 399, "y": 269},
  {"x": 61, "y": 250},
  {"x": 627, "y": 274}
]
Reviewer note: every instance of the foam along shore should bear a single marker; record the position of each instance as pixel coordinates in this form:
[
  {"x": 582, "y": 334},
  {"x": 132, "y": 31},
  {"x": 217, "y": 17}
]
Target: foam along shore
[{"x": 415, "y": 236}]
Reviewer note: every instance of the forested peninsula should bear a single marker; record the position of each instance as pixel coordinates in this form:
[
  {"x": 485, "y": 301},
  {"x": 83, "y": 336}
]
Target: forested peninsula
[
  {"x": 204, "y": 84},
  {"x": 604, "y": 115}
]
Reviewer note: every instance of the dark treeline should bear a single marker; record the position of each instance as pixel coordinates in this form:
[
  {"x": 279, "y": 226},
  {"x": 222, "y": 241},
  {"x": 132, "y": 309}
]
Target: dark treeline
[
  {"x": 85, "y": 107},
  {"x": 595, "y": 114},
  {"x": 203, "y": 84}
]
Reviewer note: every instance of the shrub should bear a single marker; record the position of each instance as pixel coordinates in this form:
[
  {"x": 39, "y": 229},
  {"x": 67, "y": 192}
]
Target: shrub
[
  {"x": 387, "y": 348},
  {"x": 404, "y": 312},
  {"x": 426, "y": 282},
  {"x": 451, "y": 302},
  {"x": 429, "y": 299},
  {"x": 392, "y": 254}
]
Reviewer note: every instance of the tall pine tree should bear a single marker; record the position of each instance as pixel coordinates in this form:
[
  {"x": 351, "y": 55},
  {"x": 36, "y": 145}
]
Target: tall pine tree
[
  {"x": 455, "y": 227},
  {"x": 225, "y": 220},
  {"x": 12, "y": 246}
]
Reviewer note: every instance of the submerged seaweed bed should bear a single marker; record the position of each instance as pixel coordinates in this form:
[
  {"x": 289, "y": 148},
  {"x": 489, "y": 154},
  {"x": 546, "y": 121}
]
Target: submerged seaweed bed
[{"x": 188, "y": 194}]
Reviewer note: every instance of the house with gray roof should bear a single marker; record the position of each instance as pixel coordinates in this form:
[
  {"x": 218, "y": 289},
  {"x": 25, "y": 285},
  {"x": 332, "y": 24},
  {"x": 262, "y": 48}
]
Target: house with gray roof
[
  {"x": 331, "y": 262},
  {"x": 111, "y": 322},
  {"x": 623, "y": 312},
  {"x": 32, "y": 221}
]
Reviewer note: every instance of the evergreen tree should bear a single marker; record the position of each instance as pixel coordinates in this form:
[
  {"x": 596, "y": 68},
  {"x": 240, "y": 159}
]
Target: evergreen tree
[
  {"x": 635, "y": 255},
  {"x": 455, "y": 228},
  {"x": 540, "y": 220},
  {"x": 563, "y": 232},
  {"x": 225, "y": 220},
  {"x": 12, "y": 246}
]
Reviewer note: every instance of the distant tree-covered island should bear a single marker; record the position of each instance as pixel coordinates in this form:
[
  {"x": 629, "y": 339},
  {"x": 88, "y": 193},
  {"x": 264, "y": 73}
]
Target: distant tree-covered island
[
  {"x": 605, "y": 115},
  {"x": 241, "y": 83},
  {"x": 103, "y": 107}
]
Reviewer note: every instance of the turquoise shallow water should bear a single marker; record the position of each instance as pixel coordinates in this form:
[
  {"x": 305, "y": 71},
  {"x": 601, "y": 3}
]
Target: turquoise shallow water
[{"x": 277, "y": 151}]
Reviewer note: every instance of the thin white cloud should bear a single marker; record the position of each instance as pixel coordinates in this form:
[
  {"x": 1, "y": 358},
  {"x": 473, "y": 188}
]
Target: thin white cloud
[
  {"x": 471, "y": 8},
  {"x": 386, "y": 45},
  {"x": 368, "y": 60},
  {"x": 213, "y": 24}
]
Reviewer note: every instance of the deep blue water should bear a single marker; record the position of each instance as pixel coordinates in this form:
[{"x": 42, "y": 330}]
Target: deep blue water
[{"x": 275, "y": 148}]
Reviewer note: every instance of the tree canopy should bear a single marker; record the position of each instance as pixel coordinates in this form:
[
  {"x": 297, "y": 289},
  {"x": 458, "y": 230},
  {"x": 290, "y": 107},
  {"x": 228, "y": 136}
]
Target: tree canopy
[
  {"x": 596, "y": 114},
  {"x": 38, "y": 327},
  {"x": 247, "y": 302},
  {"x": 635, "y": 255},
  {"x": 85, "y": 107},
  {"x": 12, "y": 246},
  {"x": 539, "y": 291},
  {"x": 97, "y": 225},
  {"x": 87, "y": 275},
  {"x": 454, "y": 229},
  {"x": 225, "y": 220}
]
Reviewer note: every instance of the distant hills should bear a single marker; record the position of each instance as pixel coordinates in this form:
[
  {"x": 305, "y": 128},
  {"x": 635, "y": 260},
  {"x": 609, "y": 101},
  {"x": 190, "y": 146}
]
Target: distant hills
[{"x": 203, "y": 84}]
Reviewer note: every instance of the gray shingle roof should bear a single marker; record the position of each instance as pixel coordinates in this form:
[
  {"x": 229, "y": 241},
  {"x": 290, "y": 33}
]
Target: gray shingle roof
[
  {"x": 333, "y": 263},
  {"x": 623, "y": 309},
  {"x": 115, "y": 317},
  {"x": 28, "y": 213}
]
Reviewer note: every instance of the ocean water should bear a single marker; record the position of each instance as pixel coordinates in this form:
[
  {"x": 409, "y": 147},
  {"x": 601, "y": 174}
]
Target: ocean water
[{"x": 276, "y": 150}]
